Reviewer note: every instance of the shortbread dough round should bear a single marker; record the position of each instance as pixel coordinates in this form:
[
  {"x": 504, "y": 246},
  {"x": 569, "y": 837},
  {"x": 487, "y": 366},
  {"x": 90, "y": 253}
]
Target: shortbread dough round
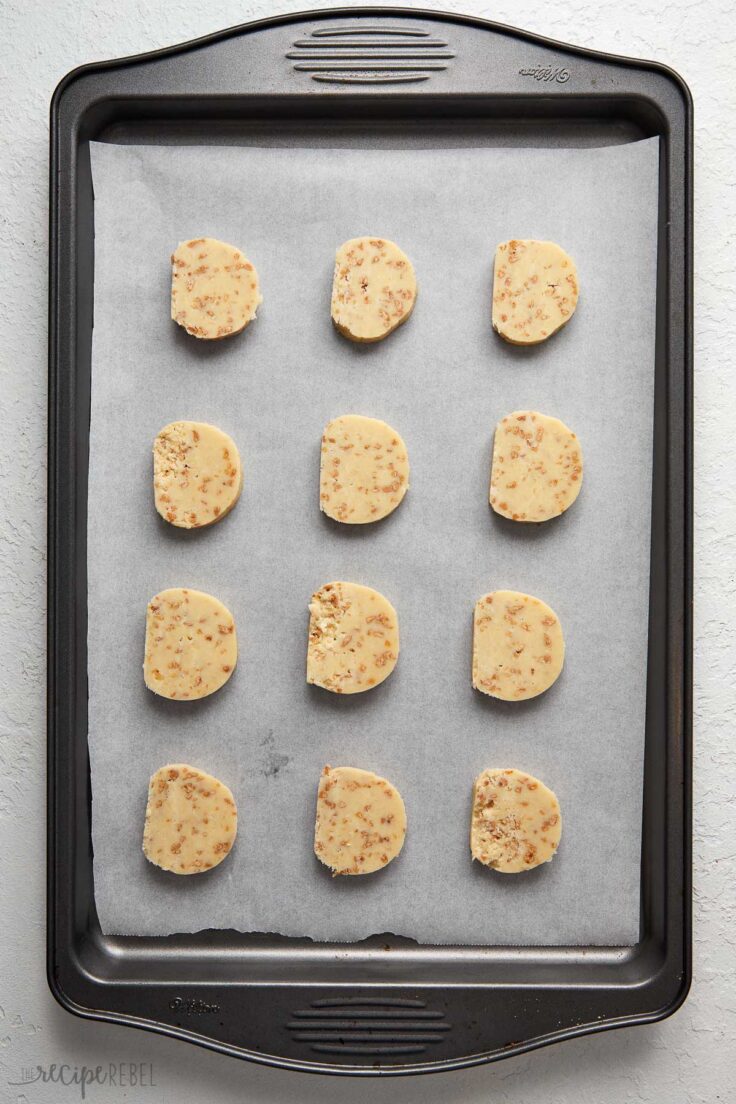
[
  {"x": 518, "y": 647},
  {"x": 535, "y": 290},
  {"x": 197, "y": 474},
  {"x": 191, "y": 820},
  {"x": 537, "y": 467},
  {"x": 374, "y": 288},
  {"x": 353, "y": 638},
  {"x": 516, "y": 823},
  {"x": 191, "y": 645},
  {"x": 364, "y": 469},
  {"x": 214, "y": 288},
  {"x": 361, "y": 821}
]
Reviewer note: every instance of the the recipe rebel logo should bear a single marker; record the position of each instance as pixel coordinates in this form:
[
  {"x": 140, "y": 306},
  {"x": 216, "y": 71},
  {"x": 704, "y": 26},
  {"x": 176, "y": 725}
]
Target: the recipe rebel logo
[
  {"x": 547, "y": 73},
  {"x": 122, "y": 1075}
]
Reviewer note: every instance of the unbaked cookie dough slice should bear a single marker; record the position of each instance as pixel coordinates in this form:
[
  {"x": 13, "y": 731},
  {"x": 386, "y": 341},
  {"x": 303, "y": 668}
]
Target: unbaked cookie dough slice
[
  {"x": 361, "y": 821},
  {"x": 353, "y": 638},
  {"x": 364, "y": 469},
  {"x": 214, "y": 288},
  {"x": 197, "y": 474},
  {"x": 374, "y": 288},
  {"x": 535, "y": 290},
  {"x": 515, "y": 824},
  {"x": 191, "y": 646},
  {"x": 518, "y": 647},
  {"x": 537, "y": 467},
  {"x": 191, "y": 820}
]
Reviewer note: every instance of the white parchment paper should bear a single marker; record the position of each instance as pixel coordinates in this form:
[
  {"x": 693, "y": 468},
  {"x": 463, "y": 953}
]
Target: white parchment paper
[{"x": 443, "y": 380}]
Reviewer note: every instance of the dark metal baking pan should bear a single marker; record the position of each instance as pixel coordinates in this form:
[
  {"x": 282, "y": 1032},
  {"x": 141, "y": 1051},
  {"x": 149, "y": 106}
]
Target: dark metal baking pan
[{"x": 386, "y": 1005}]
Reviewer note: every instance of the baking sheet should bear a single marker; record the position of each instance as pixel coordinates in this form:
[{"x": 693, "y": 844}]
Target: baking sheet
[{"x": 443, "y": 380}]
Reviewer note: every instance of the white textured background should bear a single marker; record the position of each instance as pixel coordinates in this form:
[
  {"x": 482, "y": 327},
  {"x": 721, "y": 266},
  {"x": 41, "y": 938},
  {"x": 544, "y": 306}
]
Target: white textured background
[{"x": 688, "y": 1059}]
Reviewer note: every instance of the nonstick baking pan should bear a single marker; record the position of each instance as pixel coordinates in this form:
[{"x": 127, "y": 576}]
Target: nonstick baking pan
[{"x": 386, "y": 1005}]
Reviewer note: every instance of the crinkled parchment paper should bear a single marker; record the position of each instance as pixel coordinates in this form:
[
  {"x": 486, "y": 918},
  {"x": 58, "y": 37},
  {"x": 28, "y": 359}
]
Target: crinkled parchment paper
[{"x": 443, "y": 380}]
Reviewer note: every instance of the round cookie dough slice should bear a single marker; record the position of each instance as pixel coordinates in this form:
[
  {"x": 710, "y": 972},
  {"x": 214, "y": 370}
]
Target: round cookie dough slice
[
  {"x": 535, "y": 290},
  {"x": 353, "y": 638},
  {"x": 197, "y": 474},
  {"x": 364, "y": 470},
  {"x": 518, "y": 647},
  {"x": 374, "y": 288},
  {"x": 191, "y": 646},
  {"x": 361, "y": 821},
  {"x": 515, "y": 824},
  {"x": 537, "y": 467},
  {"x": 191, "y": 820},
  {"x": 214, "y": 288}
]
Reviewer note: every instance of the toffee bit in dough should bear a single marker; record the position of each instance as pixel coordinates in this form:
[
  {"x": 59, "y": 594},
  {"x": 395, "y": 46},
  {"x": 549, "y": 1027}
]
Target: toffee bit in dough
[
  {"x": 364, "y": 470},
  {"x": 191, "y": 645},
  {"x": 515, "y": 824},
  {"x": 353, "y": 638},
  {"x": 361, "y": 821},
  {"x": 537, "y": 467},
  {"x": 535, "y": 290},
  {"x": 374, "y": 288},
  {"x": 191, "y": 820},
  {"x": 214, "y": 288},
  {"x": 197, "y": 475},
  {"x": 518, "y": 647}
]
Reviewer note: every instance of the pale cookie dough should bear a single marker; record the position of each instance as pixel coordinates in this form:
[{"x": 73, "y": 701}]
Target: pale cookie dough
[
  {"x": 537, "y": 467},
  {"x": 535, "y": 291},
  {"x": 518, "y": 647},
  {"x": 191, "y": 820},
  {"x": 373, "y": 290},
  {"x": 361, "y": 821},
  {"x": 353, "y": 638},
  {"x": 191, "y": 646},
  {"x": 516, "y": 823},
  {"x": 364, "y": 469},
  {"x": 214, "y": 288},
  {"x": 197, "y": 475}
]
